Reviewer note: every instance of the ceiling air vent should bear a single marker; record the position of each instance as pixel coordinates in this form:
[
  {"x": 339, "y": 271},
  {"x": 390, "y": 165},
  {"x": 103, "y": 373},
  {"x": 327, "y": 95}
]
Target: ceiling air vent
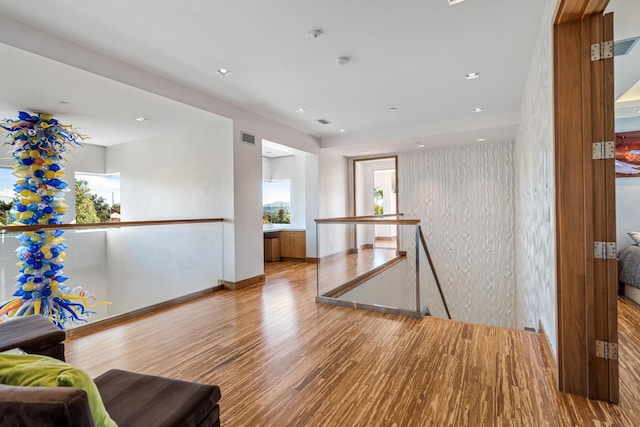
[
  {"x": 323, "y": 121},
  {"x": 623, "y": 47},
  {"x": 250, "y": 139}
]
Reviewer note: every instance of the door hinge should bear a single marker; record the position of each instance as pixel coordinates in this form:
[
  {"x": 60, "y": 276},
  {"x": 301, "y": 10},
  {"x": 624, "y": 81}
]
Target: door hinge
[
  {"x": 604, "y": 150},
  {"x": 604, "y": 250},
  {"x": 607, "y": 350},
  {"x": 602, "y": 50}
]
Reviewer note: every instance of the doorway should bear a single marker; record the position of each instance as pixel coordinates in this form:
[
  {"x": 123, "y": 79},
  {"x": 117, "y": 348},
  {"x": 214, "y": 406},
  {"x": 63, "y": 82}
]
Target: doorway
[{"x": 375, "y": 193}]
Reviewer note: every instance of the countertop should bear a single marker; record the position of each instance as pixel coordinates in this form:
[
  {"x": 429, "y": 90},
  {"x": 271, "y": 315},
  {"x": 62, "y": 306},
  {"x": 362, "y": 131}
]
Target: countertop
[{"x": 272, "y": 228}]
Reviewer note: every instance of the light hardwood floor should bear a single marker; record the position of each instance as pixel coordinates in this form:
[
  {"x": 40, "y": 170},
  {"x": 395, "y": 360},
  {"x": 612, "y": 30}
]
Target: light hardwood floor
[{"x": 283, "y": 360}]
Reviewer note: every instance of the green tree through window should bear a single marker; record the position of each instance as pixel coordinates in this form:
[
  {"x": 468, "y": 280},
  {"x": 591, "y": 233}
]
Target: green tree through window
[
  {"x": 378, "y": 197},
  {"x": 90, "y": 207},
  {"x": 5, "y": 208}
]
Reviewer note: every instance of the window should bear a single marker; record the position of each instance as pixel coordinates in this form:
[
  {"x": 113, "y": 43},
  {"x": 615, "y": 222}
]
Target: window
[
  {"x": 6, "y": 194},
  {"x": 97, "y": 197},
  {"x": 276, "y": 202}
]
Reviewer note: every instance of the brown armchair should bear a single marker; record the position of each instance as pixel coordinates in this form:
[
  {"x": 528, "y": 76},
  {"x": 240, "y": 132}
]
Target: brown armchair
[{"x": 131, "y": 399}]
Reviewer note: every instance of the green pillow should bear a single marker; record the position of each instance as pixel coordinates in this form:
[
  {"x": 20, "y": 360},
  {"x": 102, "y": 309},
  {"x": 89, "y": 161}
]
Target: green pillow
[{"x": 42, "y": 371}]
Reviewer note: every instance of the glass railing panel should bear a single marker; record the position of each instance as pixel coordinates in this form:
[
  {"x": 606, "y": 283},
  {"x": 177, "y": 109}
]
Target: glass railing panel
[
  {"x": 383, "y": 265},
  {"x": 131, "y": 267},
  {"x": 336, "y": 244},
  {"x": 385, "y": 282},
  {"x": 369, "y": 268},
  {"x": 346, "y": 253}
]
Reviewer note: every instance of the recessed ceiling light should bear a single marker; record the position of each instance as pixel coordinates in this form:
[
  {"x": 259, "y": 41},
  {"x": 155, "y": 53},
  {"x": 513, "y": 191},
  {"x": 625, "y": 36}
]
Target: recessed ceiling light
[
  {"x": 300, "y": 110},
  {"x": 481, "y": 139},
  {"x": 638, "y": 112},
  {"x": 141, "y": 119},
  {"x": 341, "y": 130},
  {"x": 223, "y": 72},
  {"x": 452, "y": 2},
  {"x": 478, "y": 110},
  {"x": 420, "y": 144},
  {"x": 315, "y": 33},
  {"x": 392, "y": 109},
  {"x": 470, "y": 76}
]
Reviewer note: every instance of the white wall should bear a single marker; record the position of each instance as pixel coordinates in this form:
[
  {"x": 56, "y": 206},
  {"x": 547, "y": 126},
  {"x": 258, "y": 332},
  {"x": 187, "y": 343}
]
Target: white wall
[
  {"x": 534, "y": 192},
  {"x": 162, "y": 180},
  {"x": 627, "y": 209},
  {"x": 281, "y": 167},
  {"x": 266, "y": 168},
  {"x": 298, "y": 193},
  {"x": 332, "y": 201},
  {"x": 463, "y": 197},
  {"x": 312, "y": 184}
]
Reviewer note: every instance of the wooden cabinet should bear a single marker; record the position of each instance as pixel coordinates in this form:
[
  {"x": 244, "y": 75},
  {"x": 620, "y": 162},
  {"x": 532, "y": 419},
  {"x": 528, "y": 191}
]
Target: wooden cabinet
[
  {"x": 271, "y": 248},
  {"x": 293, "y": 244}
]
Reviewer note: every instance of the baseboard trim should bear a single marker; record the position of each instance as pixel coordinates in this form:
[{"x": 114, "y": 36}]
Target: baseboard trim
[
  {"x": 545, "y": 346},
  {"x": 236, "y": 286},
  {"x": 311, "y": 260},
  {"x": 121, "y": 318}
]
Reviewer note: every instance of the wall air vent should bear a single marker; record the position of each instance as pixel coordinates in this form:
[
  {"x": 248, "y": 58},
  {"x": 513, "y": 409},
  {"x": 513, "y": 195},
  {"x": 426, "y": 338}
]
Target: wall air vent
[
  {"x": 323, "y": 121},
  {"x": 623, "y": 47},
  {"x": 249, "y": 139}
]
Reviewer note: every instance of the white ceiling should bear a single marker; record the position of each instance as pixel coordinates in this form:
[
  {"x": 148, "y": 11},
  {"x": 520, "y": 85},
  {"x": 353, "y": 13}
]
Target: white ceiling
[{"x": 411, "y": 55}]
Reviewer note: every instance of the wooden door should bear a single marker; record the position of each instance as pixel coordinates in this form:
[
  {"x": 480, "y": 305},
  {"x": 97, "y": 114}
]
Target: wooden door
[{"x": 585, "y": 199}]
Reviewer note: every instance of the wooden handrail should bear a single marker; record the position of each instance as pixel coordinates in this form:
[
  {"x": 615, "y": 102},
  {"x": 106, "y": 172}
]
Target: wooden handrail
[
  {"x": 100, "y": 225},
  {"x": 378, "y": 219}
]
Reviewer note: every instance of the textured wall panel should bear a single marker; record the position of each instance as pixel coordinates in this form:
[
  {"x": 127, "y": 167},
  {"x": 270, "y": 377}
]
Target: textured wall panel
[
  {"x": 463, "y": 196},
  {"x": 534, "y": 192}
]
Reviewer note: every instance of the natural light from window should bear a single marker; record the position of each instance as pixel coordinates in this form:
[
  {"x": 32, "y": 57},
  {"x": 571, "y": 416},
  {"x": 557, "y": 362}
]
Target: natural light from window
[
  {"x": 6, "y": 194},
  {"x": 276, "y": 201},
  {"x": 97, "y": 197}
]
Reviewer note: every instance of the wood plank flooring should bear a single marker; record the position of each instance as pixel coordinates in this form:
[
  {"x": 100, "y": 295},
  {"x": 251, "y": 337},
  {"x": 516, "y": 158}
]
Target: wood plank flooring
[{"x": 283, "y": 360}]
